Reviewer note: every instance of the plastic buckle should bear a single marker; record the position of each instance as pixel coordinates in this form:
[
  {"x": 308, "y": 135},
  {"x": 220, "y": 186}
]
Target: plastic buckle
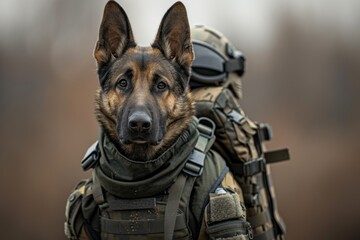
[
  {"x": 236, "y": 117},
  {"x": 208, "y": 133},
  {"x": 195, "y": 164},
  {"x": 91, "y": 157},
  {"x": 253, "y": 167},
  {"x": 266, "y": 131}
]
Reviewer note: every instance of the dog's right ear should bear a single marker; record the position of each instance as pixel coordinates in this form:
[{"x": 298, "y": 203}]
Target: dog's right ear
[{"x": 115, "y": 35}]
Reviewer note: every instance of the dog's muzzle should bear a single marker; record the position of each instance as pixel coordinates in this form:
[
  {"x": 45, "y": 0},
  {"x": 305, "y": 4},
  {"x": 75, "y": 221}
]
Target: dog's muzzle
[
  {"x": 140, "y": 125},
  {"x": 139, "y": 122}
]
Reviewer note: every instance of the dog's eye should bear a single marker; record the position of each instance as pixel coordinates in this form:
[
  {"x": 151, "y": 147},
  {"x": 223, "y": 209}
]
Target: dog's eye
[
  {"x": 161, "y": 85},
  {"x": 122, "y": 83}
]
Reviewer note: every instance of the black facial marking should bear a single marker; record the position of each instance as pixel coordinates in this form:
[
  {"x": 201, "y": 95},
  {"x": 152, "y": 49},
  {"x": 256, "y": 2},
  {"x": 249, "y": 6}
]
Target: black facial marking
[
  {"x": 142, "y": 64},
  {"x": 103, "y": 73}
]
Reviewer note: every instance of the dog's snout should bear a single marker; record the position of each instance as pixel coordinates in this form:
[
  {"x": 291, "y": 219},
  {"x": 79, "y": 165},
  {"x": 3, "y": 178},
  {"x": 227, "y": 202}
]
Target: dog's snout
[{"x": 139, "y": 122}]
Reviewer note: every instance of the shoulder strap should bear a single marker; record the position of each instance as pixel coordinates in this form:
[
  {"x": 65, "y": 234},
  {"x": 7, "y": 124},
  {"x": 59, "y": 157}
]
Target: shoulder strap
[
  {"x": 195, "y": 163},
  {"x": 97, "y": 191},
  {"x": 172, "y": 205},
  {"x": 192, "y": 169}
]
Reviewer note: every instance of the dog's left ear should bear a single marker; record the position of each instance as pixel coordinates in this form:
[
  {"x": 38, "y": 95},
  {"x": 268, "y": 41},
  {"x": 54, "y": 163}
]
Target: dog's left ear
[{"x": 173, "y": 37}]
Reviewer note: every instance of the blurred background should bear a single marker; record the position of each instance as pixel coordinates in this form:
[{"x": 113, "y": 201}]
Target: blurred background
[{"x": 303, "y": 77}]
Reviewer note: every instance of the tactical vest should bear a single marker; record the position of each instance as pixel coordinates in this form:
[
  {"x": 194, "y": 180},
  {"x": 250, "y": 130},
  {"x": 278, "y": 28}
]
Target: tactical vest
[
  {"x": 145, "y": 218},
  {"x": 166, "y": 214}
]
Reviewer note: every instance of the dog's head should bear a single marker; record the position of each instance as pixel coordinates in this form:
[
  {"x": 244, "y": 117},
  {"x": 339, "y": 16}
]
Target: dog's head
[{"x": 143, "y": 103}]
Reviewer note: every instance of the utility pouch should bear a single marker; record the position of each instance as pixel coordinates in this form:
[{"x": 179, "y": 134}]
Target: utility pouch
[
  {"x": 80, "y": 214},
  {"x": 225, "y": 216},
  {"x": 73, "y": 214},
  {"x": 230, "y": 230}
]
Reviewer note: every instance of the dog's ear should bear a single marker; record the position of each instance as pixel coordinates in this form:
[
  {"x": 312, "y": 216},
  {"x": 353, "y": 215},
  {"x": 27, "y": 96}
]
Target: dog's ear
[
  {"x": 173, "y": 36},
  {"x": 115, "y": 35}
]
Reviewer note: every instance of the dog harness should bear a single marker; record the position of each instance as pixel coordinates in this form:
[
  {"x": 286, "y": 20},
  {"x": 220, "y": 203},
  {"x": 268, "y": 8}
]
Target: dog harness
[{"x": 174, "y": 208}]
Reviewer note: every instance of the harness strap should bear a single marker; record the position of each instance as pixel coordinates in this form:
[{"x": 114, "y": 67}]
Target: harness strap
[
  {"x": 277, "y": 155},
  {"x": 235, "y": 65},
  {"x": 97, "y": 191},
  {"x": 265, "y": 236},
  {"x": 259, "y": 219},
  {"x": 249, "y": 168},
  {"x": 278, "y": 227},
  {"x": 253, "y": 167},
  {"x": 172, "y": 205},
  {"x": 192, "y": 169},
  {"x": 239, "y": 118},
  {"x": 195, "y": 163}
]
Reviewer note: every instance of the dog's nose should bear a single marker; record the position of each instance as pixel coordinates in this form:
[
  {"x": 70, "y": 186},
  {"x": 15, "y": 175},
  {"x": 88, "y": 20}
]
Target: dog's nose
[{"x": 139, "y": 122}]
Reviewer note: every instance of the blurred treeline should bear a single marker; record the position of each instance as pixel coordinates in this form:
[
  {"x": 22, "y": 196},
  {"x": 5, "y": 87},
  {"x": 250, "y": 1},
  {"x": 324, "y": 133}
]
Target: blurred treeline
[{"x": 303, "y": 77}]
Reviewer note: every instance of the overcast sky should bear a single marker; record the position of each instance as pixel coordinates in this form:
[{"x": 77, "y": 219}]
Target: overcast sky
[{"x": 257, "y": 19}]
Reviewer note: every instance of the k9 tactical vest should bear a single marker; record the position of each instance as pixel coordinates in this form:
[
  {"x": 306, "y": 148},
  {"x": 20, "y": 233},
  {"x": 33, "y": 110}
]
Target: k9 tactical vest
[{"x": 187, "y": 193}]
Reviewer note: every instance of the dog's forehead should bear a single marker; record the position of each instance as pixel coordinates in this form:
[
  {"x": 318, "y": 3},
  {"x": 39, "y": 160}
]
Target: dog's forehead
[
  {"x": 144, "y": 60},
  {"x": 138, "y": 50}
]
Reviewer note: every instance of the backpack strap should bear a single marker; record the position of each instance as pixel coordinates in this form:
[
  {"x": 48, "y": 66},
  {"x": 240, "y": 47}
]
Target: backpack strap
[
  {"x": 277, "y": 155},
  {"x": 264, "y": 133},
  {"x": 192, "y": 169},
  {"x": 249, "y": 168},
  {"x": 253, "y": 167}
]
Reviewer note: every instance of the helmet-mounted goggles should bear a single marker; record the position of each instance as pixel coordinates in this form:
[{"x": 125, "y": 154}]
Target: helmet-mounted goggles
[{"x": 211, "y": 68}]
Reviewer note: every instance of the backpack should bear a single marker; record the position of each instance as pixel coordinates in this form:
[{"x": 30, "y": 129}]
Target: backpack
[{"x": 216, "y": 89}]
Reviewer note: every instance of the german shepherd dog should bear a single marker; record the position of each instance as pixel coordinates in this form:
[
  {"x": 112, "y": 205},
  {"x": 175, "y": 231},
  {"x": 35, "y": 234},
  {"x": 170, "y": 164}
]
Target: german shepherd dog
[{"x": 144, "y": 102}]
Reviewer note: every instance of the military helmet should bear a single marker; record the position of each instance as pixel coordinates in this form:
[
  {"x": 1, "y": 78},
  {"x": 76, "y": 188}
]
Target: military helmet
[{"x": 215, "y": 57}]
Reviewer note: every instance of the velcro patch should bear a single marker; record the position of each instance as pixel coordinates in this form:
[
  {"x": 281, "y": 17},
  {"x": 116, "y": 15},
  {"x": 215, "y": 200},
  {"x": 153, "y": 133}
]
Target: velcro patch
[
  {"x": 131, "y": 204},
  {"x": 224, "y": 207}
]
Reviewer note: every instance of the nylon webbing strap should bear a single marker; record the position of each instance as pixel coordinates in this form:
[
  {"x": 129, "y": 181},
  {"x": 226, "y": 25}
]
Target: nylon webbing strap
[
  {"x": 249, "y": 168},
  {"x": 277, "y": 155},
  {"x": 139, "y": 227},
  {"x": 265, "y": 131},
  {"x": 259, "y": 219},
  {"x": 239, "y": 118},
  {"x": 265, "y": 236},
  {"x": 195, "y": 163},
  {"x": 233, "y": 65},
  {"x": 97, "y": 191},
  {"x": 172, "y": 205}
]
